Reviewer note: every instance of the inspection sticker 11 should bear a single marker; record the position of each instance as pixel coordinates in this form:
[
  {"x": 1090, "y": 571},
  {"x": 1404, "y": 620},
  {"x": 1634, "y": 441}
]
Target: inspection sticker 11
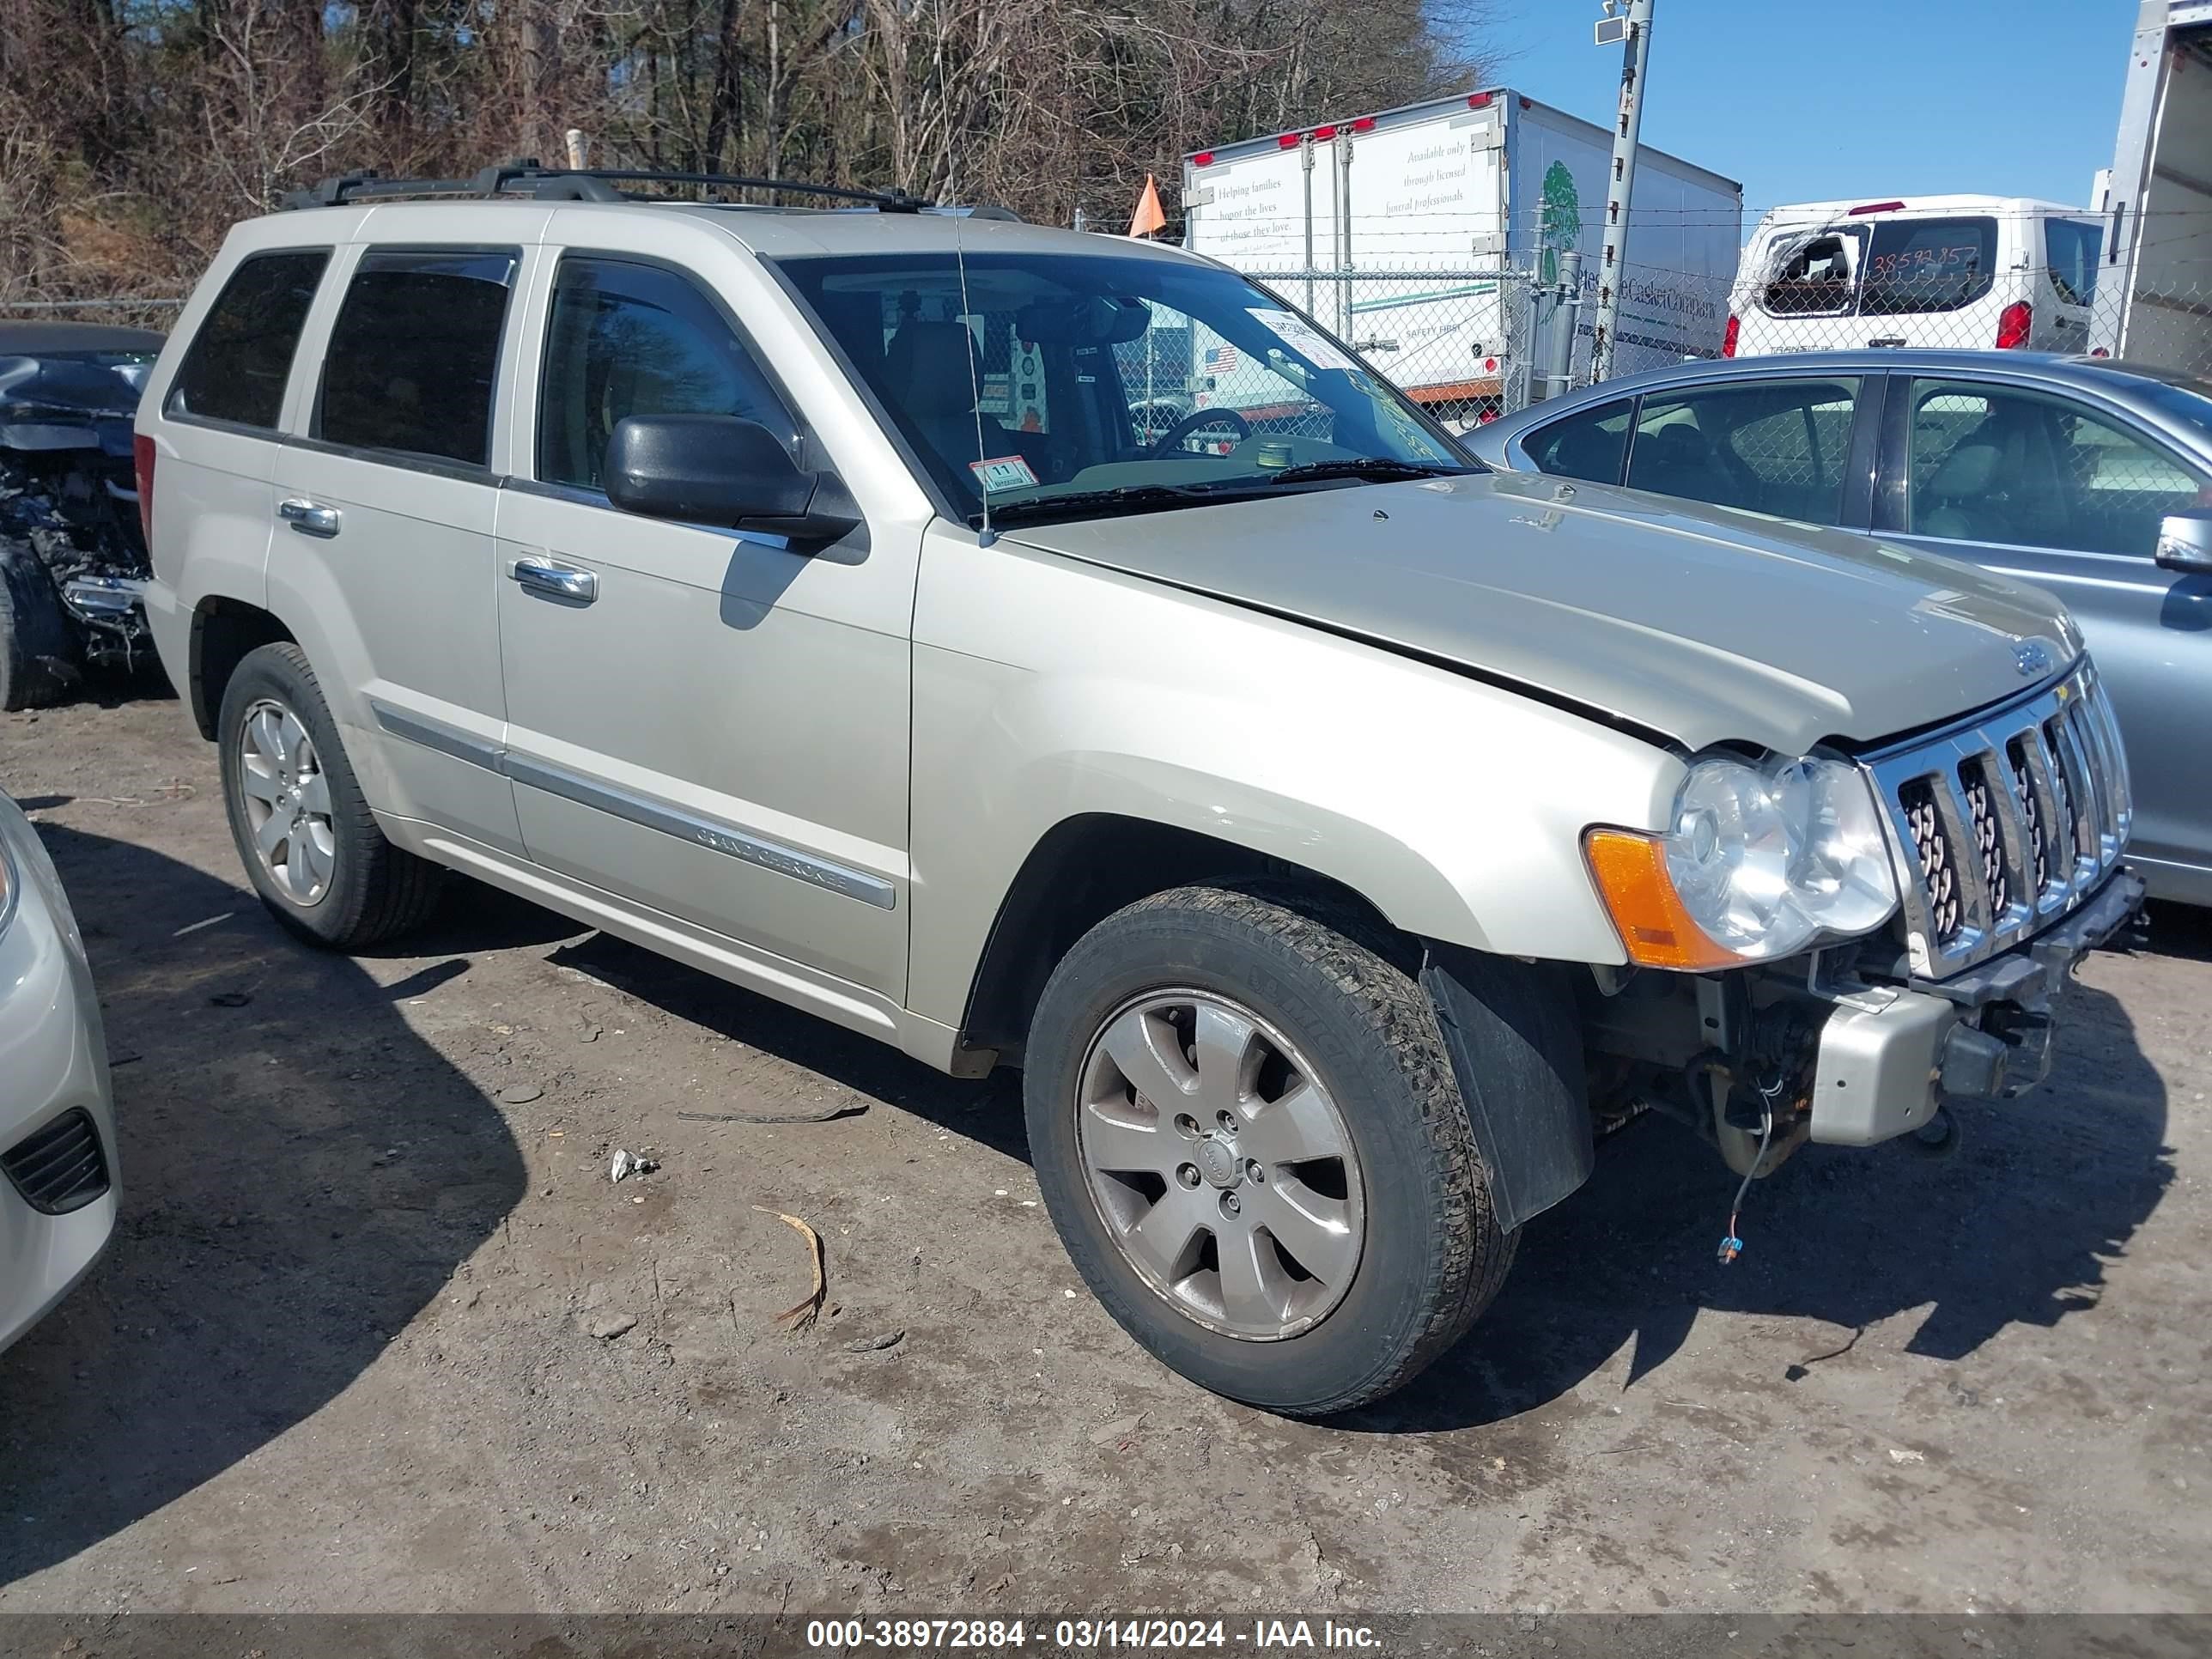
[{"x": 1004, "y": 472}]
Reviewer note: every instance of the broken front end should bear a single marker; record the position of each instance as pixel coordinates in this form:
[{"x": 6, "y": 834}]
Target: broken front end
[{"x": 72, "y": 549}]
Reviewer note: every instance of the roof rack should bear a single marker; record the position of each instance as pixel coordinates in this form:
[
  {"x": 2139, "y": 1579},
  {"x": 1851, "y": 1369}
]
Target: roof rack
[{"x": 528, "y": 178}]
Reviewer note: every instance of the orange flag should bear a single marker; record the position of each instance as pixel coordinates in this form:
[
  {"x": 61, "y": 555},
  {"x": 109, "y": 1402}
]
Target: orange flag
[{"x": 1148, "y": 217}]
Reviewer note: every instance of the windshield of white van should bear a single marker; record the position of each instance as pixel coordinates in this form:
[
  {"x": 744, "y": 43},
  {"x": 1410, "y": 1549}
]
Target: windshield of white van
[
  {"x": 1927, "y": 264},
  {"x": 1067, "y": 384}
]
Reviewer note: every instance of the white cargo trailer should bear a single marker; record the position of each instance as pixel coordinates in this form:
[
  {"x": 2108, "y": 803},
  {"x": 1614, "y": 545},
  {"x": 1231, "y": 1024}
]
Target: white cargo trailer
[
  {"x": 1389, "y": 229},
  {"x": 2153, "y": 300}
]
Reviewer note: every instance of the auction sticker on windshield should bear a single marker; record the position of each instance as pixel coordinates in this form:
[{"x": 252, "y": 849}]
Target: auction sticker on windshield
[
  {"x": 1004, "y": 472},
  {"x": 1298, "y": 333}
]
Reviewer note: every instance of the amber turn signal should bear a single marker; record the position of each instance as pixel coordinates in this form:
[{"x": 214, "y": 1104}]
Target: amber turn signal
[{"x": 1630, "y": 872}]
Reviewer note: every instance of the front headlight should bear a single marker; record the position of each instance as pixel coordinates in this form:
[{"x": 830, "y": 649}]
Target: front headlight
[{"x": 1759, "y": 862}]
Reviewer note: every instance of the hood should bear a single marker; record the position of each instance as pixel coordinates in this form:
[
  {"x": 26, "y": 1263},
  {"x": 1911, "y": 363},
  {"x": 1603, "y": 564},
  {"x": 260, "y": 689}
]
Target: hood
[
  {"x": 61, "y": 403},
  {"x": 1702, "y": 624}
]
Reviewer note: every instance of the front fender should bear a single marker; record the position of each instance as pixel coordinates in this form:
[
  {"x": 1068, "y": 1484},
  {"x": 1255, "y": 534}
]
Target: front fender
[{"x": 1045, "y": 690}]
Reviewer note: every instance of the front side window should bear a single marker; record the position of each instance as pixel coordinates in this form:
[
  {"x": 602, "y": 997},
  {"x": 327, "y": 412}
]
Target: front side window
[
  {"x": 1773, "y": 446},
  {"x": 414, "y": 355},
  {"x": 1988, "y": 463},
  {"x": 2072, "y": 248},
  {"x": 240, "y": 360},
  {"x": 627, "y": 339},
  {"x": 1591, "y": 445},
  {"x": 1073, "y": 384},
  {"x": 1928, "y": 264}
]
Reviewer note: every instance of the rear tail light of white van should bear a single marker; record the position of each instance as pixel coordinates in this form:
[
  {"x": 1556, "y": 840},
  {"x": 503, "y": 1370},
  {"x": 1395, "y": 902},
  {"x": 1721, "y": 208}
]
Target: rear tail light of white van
[
  {"x": 2013, "y": 323},
  {"x": 1728, "y": 340}
]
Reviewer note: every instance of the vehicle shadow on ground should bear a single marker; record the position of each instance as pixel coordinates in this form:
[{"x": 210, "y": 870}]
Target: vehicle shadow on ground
[
  {"x": 301, "y": 1175},
  {"x": 988, "y": 1111},
  {"x": 2180, "y": 930},
  {"x": 2011, "y": 1227}
]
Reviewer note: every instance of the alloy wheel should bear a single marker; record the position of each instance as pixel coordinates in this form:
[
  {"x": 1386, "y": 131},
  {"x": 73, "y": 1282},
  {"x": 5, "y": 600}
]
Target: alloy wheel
[
  {"x": 286, "y": 800},
  {"x": 1223, "y": 1171}
]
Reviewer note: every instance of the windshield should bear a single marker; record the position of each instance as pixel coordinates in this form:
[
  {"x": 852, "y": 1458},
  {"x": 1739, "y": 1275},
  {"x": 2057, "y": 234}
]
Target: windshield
[{"x": 1067, "y": 384}]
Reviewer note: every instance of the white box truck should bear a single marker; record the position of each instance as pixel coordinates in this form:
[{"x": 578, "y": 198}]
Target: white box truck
[
  {"x": 1394, "y": 232},
  {"x": 2153, "y": 300}
]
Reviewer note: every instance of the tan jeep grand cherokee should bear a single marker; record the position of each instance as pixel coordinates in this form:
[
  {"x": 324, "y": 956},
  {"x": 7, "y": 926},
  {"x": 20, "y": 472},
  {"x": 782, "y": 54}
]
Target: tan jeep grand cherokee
[{"x": 1339, "y": 837}]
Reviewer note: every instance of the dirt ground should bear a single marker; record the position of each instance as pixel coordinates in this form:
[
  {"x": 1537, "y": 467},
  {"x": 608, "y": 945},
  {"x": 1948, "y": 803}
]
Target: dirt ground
[{"x": 339, "y": 1356}]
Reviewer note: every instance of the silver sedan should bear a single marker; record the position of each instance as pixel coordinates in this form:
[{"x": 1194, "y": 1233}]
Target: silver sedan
[
  {"x": 2092, "y": 478},
  {"x": 57, "y": 1191}
]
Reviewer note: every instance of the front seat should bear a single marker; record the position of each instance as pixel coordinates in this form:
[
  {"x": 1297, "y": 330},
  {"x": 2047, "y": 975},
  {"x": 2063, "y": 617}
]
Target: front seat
[
  {"x": 934, "y": 370},
  {"x": 1962, "y": 502}
]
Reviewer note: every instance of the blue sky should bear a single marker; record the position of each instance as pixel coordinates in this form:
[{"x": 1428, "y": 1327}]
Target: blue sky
[{"x": 1810, "y": 99}]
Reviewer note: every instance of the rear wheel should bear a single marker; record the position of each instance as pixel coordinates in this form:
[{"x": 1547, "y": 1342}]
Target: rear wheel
[
  {"x": 39, "y": 654},
  {"x": 304, "y": 831},
  {"x": 1248, "y": 1133}
]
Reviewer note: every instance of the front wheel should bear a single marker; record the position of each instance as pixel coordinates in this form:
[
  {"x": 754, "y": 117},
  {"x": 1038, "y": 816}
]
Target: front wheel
[
  {"x": 1247, "y": 1130},
  {"x": 39, "y": 654}
]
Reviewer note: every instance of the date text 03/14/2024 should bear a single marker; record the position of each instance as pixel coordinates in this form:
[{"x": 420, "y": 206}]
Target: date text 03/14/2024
[{"x": 990, "y": 1635}]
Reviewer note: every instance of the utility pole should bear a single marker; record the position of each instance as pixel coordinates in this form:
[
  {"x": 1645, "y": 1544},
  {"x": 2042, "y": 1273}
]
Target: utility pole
[{"x": 1635, "y": 32}]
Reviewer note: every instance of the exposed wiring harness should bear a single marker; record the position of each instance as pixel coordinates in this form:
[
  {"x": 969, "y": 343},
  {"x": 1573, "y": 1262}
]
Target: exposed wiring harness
[{"x": 1732, "y": 1245}]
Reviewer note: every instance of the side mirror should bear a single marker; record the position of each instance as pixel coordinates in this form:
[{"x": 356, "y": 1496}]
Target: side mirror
[
  {"x": 719, "y": 470},
  {"x": 2185, "y": 542}
]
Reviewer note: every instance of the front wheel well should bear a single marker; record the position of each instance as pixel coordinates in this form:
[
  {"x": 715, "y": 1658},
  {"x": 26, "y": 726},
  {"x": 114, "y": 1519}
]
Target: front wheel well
[
  {"x": 1082, "y": 871},
  {"x": 224, "y": 631}
]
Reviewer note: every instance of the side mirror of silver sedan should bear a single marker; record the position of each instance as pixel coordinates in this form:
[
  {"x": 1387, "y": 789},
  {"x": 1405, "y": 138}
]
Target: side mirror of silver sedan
[{"x": 2185, "y": 542}]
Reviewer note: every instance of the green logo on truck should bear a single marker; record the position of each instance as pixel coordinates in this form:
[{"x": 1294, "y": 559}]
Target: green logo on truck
[{"x": 1561, "y": 227}]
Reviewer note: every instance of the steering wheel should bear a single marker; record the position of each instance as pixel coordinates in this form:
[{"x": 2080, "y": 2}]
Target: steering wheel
[{"x": 1196, "y": 420}]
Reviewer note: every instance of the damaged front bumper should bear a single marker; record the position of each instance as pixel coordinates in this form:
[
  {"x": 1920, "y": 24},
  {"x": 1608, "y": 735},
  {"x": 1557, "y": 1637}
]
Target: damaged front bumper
[{"x": 1888, "y": 1056}]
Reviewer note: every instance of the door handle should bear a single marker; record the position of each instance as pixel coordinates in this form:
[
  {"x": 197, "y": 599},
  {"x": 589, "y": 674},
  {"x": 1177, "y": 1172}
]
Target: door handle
[
  {"x": 308, "y": 517},
  {"x": 555, "y": 580}
]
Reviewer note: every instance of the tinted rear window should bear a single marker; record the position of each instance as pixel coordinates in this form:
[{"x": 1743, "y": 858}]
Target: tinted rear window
[
  {"x": 414, "y": 354},
  {"x": 239, "y": 362},
  {"x": 2072, "y": 248},
  {"x": 1927, "y": 264}
]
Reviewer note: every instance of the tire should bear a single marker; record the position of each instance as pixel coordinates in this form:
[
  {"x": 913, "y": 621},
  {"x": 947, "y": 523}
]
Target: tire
[
  {"x": 39, "y": 654},
  {"x": 1329, "y": 1011},
  {"x": 333, "y": 879}
]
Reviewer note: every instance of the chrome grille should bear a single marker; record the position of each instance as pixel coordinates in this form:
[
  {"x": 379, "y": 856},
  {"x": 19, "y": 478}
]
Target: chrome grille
[
  {"x": 2006, "y": 821},
  {"x": 1932, "y": 843},
  {"x": 2030, "y": 810},
  {"x": 1989, "y": 846}
]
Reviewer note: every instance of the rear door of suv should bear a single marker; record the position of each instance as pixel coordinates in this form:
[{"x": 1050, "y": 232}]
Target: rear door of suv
[
  {"x": 215, "y": 437},
  {"x": 386, "y": 497}
]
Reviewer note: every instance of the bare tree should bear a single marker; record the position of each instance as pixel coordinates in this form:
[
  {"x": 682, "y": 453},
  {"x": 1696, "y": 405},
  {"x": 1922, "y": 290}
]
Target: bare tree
[{"x": 133, "y": 133}]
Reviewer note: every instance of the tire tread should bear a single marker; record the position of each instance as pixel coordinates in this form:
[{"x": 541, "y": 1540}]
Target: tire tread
[{"x": 1366, "y": 963}]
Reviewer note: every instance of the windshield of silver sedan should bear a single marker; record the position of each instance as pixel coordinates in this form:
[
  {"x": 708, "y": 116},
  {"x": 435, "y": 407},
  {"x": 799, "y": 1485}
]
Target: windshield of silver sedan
[{"x": 1066, "y": 384}]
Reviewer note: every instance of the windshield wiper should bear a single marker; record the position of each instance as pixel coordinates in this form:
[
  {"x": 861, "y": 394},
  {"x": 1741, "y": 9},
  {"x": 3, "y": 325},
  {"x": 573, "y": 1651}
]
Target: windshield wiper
[
  {"x": 1122, "y": 496},
  {"x": 1375, "y": 468}
]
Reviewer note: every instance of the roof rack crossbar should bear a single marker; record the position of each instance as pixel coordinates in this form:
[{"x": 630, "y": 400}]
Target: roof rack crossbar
[{"x": 571, "y": 184}]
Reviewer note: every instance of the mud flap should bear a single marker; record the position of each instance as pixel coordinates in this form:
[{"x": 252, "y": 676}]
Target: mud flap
[{"x": 1517, "y": 1053}]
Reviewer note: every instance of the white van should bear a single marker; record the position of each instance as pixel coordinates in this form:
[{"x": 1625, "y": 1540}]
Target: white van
[{"x": 1956, "y": 272}]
